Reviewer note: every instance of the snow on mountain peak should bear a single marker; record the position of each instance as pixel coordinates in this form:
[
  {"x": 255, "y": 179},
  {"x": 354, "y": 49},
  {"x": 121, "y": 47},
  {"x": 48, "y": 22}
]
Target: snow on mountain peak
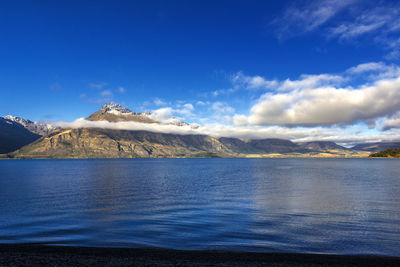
[
  {"x": 116, "y": 109},
  {"x": 18, "y": 120},
  {"x": 35, "y": 127}
]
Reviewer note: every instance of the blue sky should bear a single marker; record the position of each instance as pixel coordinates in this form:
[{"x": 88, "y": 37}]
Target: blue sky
[{"x": 324, "y": 70}]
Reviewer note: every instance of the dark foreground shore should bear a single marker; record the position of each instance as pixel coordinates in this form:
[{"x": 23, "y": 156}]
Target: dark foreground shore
[{"x": 40, "y": 255}]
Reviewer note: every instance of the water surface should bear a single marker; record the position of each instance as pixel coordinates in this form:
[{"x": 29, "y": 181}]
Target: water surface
[{"x": 344, "y": 206}]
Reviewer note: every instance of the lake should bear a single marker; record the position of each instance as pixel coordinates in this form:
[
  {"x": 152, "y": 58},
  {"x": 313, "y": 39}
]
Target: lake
[{"x": 341, "y": 206}]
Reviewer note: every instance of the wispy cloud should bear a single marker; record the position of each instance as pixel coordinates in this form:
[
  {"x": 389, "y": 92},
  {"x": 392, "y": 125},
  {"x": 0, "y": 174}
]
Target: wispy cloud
[
  {"x": 300, "y": 17},
  {"x": 55, "y": 87},
  {"x": 310, "y": 81},
  {"x": 222, "y": 108},
  {"x": 106, "y": 93},
  {"x": 121, "y": 90},
  {"x": 239, "y": 80},
  {"x": 368, "y": 67},
  {"x": 380, "y": 21},
  {"x": 343, "y": 20},
  {"x": 159, "y": 102},
  {"x": 98, "y": 85}
]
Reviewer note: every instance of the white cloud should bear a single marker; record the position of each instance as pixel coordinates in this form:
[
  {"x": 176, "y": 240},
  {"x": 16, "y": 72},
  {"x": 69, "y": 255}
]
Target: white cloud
[
  {"x": 374, "y": 71},
  {"x": 186, "y": 110},
  {"x": 327, "y": 105},
  {"x": 368, "y": 67},
  {"x": 223, "y": 91},
  {"x": 188, "y": 107},
  {"x": 201, "y": 103},
  {"x": 385, "y": 19},
  {"x": 98, "y": 85},
  {"x": 310, "y": 81},
  {"x": 162, "y": 114},
  {"x": 347, "y": 136},
  {"x": 169, "y": 114},
  {"x": 298, "y": 20},
  {"x": 343, "y": 20},
  {"x": 222, "y": 108},
  {"x": 252, "y": 82},
  {"x": 106, "y": 93},
  {"x": 239, "y": 119},
  {"x": 121, "y": 90},
  {"x": 159, "y": 102},
  {"x": 393, "y": 55}
]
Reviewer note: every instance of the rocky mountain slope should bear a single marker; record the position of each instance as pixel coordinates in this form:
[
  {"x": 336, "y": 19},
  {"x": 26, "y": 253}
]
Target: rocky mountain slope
[
  {"x": 106, "y": 143},
  {"x": 13, "y": 136}
]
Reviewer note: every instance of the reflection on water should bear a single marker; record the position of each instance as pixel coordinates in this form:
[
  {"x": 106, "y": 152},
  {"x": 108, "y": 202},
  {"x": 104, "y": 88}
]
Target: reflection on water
[{"x": 346, "y": 206}]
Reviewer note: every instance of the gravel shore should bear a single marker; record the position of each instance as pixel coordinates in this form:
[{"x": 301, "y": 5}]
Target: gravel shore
[{"x": 44, "y": 255}]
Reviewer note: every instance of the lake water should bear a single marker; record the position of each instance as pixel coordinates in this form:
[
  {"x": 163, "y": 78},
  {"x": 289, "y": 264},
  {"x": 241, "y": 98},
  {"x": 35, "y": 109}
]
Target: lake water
[{"x": 343, "y": 206}]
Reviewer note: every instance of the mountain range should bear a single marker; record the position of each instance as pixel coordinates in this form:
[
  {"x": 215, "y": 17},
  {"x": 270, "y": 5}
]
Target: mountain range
[
  {"x": 21, "y": 138},
  {"x": 14, "y": 135}
]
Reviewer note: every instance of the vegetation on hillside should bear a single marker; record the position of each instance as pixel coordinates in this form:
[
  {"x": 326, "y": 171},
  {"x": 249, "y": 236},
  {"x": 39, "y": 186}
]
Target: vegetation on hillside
[{"x": 387, "y": 153}]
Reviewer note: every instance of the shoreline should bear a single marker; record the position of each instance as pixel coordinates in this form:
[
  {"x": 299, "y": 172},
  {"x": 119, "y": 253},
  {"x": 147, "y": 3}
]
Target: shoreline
[
  {"x": 42, "y": 255},
  {"x": 243, "y": 157}
]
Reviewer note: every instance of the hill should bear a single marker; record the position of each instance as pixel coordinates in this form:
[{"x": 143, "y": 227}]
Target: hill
[{"x": 388, "y": 153}]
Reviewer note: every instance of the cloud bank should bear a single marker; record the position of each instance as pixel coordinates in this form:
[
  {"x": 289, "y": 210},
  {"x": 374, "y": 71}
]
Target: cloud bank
[
  {"x": 325, "y": 99},
  {"x": 327, "y": 105},
  {"x": 345, "y": 136}
]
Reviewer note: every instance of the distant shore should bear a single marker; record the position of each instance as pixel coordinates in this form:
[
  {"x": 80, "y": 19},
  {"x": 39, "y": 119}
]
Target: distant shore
[
  {"x": 248, "y": 156},
  {"x": 42, "y": 255}
]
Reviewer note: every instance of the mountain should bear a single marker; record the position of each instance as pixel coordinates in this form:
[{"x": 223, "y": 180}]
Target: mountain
[
  {"x": 113, "y": 112},
  {"x": 107, "y": 143},
  {"x": 34, "y": 127},
  {"x": 375, "y": 147},
  {"x": 13, "y": 136},
  {"x": 114, "y": 143},
  {"x": 322, "y": 146}
]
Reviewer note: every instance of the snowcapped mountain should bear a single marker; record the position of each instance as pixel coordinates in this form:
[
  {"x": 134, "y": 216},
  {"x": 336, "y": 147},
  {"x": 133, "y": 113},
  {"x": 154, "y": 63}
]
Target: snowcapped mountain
[
  {"x": 35, "y": 127},
  {"x": 114, "y": 112},
  {"x": 117, "y": 109}
]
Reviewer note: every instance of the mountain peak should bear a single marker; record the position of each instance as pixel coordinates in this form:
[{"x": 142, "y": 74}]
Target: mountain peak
[
  {"x": 117, "y": 109},
  {"x": 19, "y": 120},
  {"x": 39, "y": 128},
  {"x": 114, "y": 112}
]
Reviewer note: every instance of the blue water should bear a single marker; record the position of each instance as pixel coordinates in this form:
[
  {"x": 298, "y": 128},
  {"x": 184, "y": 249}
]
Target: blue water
[{"x": 343, "y": 206}]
